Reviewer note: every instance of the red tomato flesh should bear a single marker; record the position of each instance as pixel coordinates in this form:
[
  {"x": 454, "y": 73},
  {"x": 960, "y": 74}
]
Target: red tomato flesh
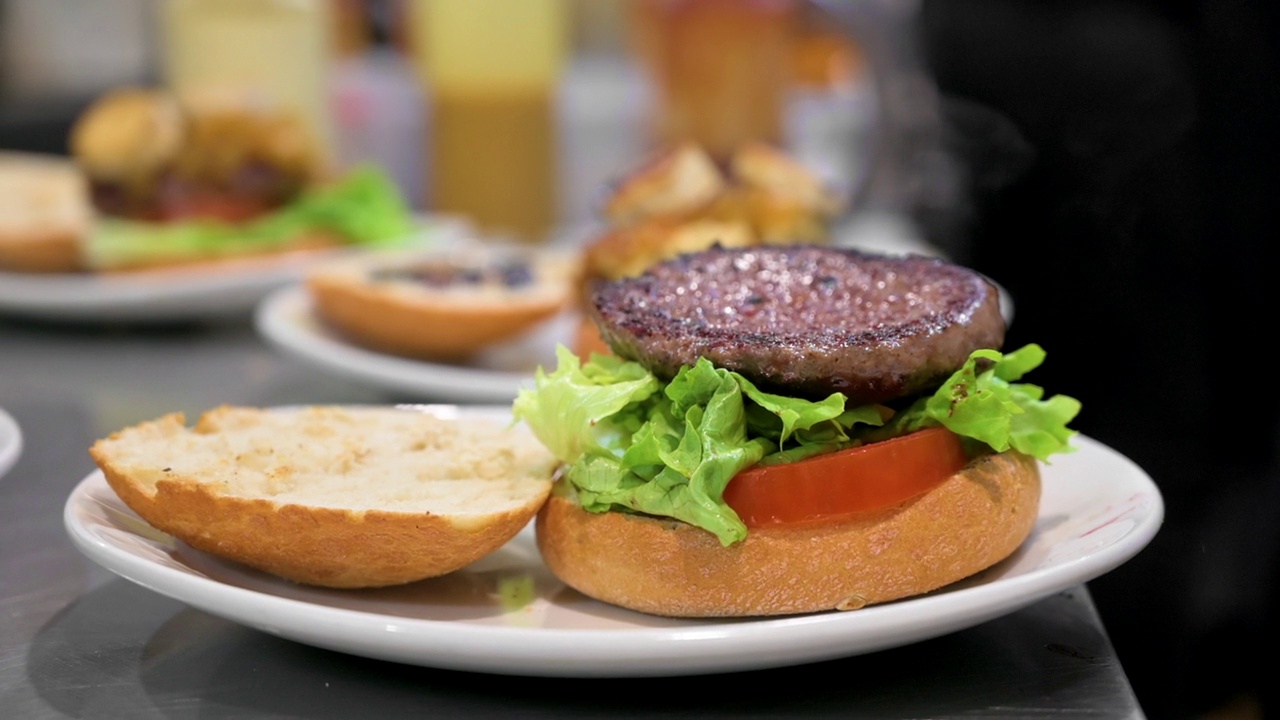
[
  {"x": 859, "y": 479},
  {"x": 212, "y": 206}
]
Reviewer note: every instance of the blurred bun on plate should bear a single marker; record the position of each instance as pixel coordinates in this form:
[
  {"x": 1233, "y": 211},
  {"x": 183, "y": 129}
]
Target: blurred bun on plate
[
  {"x": 682, "y": 181},
  {"x": 681, "y": 201},
  {"x": 128, "y": 136},
  {"x": 44, "y": 213},
  {"x": 626, "y": 252},
  {"x": 785, "y": 202},
  {"x": 342, "y": 497},
  {"x": 444, "y": 304}
]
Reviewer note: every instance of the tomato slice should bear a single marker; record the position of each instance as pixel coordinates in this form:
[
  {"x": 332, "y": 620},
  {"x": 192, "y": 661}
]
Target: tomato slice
[
  {"x": 859, "y": 479},
  {"x": 211, "y": 206}
]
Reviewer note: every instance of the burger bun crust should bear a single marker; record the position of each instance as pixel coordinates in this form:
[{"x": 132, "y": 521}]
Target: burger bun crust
[
  {"x": 340, "y": 497},
  {"x": 973, "y": 520}
]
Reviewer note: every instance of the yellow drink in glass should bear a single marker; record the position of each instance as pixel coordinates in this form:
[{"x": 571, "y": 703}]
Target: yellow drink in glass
[{"x": 492, "y": 68}]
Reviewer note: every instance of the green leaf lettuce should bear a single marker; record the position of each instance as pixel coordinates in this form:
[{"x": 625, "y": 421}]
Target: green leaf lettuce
[
  {"x": 363, "y": 208},
  {"x": 632, "y": 443}
]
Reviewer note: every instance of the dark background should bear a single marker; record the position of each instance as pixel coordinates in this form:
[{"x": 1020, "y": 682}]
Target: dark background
[{"x": 1122, "y": 162}]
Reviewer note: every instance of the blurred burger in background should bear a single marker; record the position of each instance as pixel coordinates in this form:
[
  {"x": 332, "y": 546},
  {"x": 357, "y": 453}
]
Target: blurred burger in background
[
  {"x": 212, "y": 179},
  {"x": 149, "y": 157}
]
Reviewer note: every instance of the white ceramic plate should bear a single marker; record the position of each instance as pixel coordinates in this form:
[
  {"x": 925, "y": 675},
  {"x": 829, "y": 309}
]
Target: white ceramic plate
[
  {"x": 507, "y": 614},
  {"x": 10, "y": 441},
  {"x": 177, "y": 295},
  {"x": 285, "y": 319}
]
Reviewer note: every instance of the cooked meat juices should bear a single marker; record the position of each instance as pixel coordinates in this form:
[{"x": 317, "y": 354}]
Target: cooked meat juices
[{"x": 811, "y": 319}]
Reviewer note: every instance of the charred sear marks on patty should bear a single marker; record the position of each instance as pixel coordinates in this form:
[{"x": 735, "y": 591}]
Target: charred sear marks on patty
[{"x": 804, "y": 320}]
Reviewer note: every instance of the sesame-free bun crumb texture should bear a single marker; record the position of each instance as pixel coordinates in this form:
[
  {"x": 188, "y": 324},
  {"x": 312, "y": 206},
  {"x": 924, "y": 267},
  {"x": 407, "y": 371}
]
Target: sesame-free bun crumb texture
[
  {"x": 342, "y": 497},
  {"x": 971, "y": 521}
]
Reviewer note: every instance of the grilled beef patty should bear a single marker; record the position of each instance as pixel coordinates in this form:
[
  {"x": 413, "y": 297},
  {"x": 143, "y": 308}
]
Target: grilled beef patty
[{"x": 803, "y": 320}]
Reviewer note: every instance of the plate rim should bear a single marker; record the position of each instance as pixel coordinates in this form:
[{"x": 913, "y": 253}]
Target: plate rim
[
  {"x": 699, "y": 646},
  {"x": 11, "y": 441},
  {"x": 276, "y": 319},
  {"x": 184, "y": 294}
]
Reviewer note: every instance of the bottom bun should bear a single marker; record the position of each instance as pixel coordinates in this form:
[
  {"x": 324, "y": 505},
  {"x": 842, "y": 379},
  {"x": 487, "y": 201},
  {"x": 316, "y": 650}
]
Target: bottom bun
[{"x": 971, "y": 521}]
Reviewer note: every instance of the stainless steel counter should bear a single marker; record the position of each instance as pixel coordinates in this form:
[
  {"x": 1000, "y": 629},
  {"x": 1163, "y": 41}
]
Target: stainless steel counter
[{"x": 78, "y": 642}]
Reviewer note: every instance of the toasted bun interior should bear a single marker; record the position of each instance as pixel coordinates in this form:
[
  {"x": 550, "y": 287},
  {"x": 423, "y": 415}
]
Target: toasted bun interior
[
  {"x": 973, "y": 520},
  {"x": 333, "y": 496}
]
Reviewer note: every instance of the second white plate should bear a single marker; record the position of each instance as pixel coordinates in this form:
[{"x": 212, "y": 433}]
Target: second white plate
[
  {"x": 285, "y": 318},
  {"x": 175, "y": 295}
]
